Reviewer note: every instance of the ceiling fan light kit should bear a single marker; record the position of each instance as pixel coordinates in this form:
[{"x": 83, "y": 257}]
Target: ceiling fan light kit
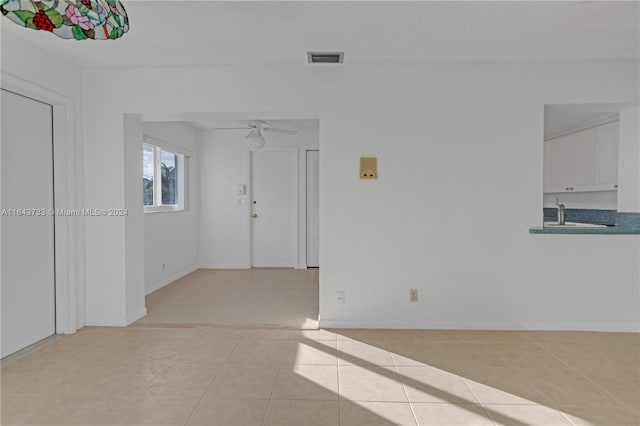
[
  {"x": 255, "y": 138},
  {"x": 256, "y": 141}
]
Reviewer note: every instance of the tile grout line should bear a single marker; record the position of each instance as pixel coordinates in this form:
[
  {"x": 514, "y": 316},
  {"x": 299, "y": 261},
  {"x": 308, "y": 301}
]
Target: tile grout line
[
  {"x": 551, "y": 404},
  {"x": 541, "y": 346},
  {"x": 571, "y": 368},
  {"x": 275, "y": 381},
  {"x": 224, "y": 364},
  {"x": 169, "y": 365},
  {"x": 338, "y": 377},
  {"x": 404, "y": 388},
  {"x": 576, "y": 370},
  {"x": 266, "y": 412},
  {"x": 486, "y": 412},
  {"x": 491, "y": 349}
]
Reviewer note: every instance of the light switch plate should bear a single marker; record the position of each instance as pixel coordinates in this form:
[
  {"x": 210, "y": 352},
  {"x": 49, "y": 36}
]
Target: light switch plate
[{"x": 368, "y": 168}]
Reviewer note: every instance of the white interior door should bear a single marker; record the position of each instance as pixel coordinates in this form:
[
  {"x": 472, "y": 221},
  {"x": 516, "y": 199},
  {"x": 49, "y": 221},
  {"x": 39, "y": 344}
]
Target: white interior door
[
  {"x": 274, "y": 183},
  {"x": 313, "y": 209},
  {"x": 27, "y": 281}
]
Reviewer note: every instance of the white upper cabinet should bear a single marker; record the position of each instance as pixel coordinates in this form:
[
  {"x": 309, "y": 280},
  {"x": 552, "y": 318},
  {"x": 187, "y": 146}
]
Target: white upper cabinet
[
  {"x": 560, "y": 167},
  {"x": 607, "y": 156},
  {"x": 582, "y": 161},
  {"x": 547, "y": 166}
]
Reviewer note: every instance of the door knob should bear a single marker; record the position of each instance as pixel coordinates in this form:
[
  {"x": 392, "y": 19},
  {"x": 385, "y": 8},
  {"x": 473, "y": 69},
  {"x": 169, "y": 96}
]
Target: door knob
[{"x": 254, "y": 215}]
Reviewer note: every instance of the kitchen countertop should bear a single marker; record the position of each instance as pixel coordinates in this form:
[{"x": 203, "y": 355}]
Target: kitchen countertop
[
  {"x": 626, "y": 223},
  {"x": 609, "y": 230}
]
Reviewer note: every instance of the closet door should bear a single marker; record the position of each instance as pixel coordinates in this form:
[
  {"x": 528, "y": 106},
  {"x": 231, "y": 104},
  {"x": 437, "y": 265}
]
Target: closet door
[{"x": 27, "y": 278}]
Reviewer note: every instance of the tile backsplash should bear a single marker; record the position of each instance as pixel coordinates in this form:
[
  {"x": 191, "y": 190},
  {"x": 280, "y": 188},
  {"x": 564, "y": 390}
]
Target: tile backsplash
[
  {"x": 593, "y": 216},
  {"x": 628, "y": 220}
]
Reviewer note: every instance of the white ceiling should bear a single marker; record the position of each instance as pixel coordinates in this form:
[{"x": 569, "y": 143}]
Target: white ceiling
[{"x": 180, "y": 33}]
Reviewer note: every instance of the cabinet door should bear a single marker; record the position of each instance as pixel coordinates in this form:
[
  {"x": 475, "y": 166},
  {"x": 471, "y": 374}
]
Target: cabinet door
[
  {"x": 546, "y": 174},
  {"x": 607, "y": 156},
  {"x": 583, "y": 176},
  {"x": 560, "y": 164}
]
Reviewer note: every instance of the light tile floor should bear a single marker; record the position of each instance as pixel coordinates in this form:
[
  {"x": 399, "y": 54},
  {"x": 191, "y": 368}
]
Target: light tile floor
[
  {"x": 249, "y": 297},
  {"x": 205, "y": 375}
]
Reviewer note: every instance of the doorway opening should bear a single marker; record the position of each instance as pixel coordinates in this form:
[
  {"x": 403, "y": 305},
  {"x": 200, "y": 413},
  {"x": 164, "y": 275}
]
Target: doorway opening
[
  {"x": 583, "y": 151},
  {"x": 244, "y": 257}
]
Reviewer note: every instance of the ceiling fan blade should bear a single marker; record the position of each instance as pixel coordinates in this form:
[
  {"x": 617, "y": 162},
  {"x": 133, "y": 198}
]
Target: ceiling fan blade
[
  {"x": 232, "y": 128},
  {"x": 278, "y": 130}
]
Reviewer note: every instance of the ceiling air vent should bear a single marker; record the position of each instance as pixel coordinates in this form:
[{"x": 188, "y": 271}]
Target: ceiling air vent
[{"x": 325, "y": 57}]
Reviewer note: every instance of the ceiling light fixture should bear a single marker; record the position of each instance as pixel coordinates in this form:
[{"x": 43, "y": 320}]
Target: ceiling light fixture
[
  {"x": 70, "y": 19},
  {"x": 256, "y": 140}
]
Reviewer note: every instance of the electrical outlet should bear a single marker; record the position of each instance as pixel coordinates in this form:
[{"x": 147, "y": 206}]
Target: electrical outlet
[
  {"x": 164, "y": 266},
  {"x": 340, "y": 297},
  {"x": 413, "y": 295}
]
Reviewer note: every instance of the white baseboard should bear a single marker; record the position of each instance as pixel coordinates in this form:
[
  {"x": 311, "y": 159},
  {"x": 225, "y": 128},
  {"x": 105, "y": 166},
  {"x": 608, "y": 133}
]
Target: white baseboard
[
  {"x": 135, "y": 317},
  {"x": 422, "y": 325},
  {"x": 169, "y": 280},
  {"x": 223, "y": 266},
  {"x": 219, "y": 266}
]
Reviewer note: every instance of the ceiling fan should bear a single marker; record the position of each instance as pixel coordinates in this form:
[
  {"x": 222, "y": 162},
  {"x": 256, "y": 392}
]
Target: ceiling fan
[{"x": 256, "y": 127}]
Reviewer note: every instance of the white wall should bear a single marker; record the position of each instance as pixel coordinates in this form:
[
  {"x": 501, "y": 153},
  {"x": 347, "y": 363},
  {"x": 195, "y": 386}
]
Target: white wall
[
  {"x": 36, "y": 69},
  {"x": 224, "y": 163},
  {"x": 171, "y": 238},
  {"x": 460, "y": 183}
]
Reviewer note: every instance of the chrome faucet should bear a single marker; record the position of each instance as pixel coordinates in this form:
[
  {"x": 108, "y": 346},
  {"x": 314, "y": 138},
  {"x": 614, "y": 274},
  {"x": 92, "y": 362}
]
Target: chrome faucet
[{"x": 560, "y": 212}]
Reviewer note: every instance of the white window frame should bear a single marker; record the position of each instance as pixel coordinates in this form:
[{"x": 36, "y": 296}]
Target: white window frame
[{"x": 182, "y": 162}]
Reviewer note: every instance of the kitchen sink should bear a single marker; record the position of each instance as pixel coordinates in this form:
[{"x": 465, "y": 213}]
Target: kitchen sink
[{"x": 572, "y": 225}]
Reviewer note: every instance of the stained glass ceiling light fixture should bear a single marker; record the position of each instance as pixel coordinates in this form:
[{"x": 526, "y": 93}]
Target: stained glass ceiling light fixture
[{"x": 76, "y": 19}]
